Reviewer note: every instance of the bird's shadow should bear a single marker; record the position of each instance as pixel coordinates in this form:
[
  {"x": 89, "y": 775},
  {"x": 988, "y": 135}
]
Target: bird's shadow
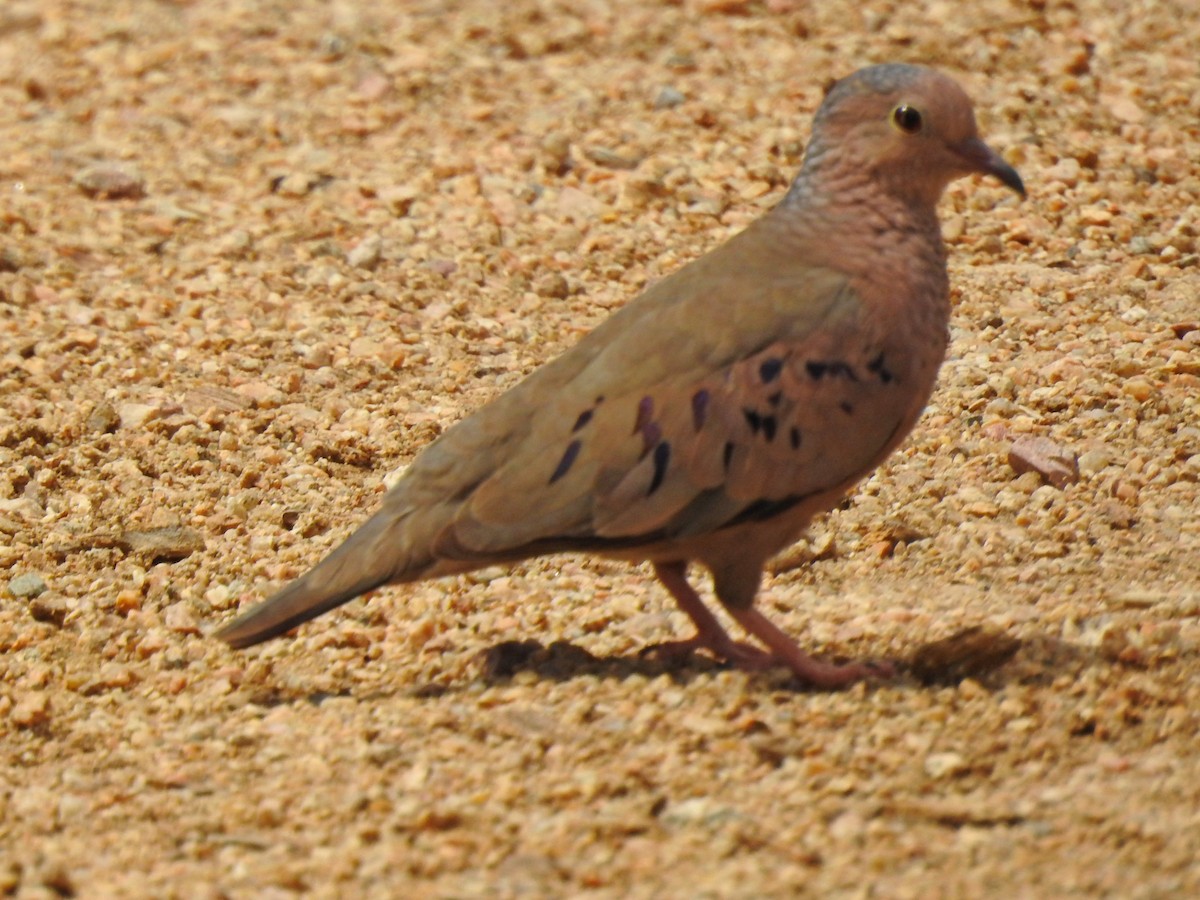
[
  {"x": 985, "y": 655},
  {"x": 990, "y": 657},
  {"x": 563, "y": 661}
]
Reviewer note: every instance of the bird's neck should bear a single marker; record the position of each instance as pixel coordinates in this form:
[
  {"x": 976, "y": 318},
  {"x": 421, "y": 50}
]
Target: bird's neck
[{"x": 847, "y": 209}]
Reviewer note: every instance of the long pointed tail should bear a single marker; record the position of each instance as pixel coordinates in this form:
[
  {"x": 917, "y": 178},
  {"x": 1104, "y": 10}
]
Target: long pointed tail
[{"x": 375, "y": 554}]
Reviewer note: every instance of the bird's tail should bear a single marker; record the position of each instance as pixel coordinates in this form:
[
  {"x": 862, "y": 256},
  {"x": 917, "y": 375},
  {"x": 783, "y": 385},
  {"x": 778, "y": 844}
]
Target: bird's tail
[{"x": 379, "y": 552}]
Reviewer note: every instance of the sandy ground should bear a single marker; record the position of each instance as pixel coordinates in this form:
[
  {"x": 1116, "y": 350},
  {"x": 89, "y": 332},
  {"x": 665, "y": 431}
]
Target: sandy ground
[{"x": 254, "y": 255}]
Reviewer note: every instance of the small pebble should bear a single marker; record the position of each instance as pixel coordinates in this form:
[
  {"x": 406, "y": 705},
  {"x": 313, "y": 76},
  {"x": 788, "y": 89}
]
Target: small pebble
[
  {"x": 669, "y": 98},
  {"x": 178, "y": 617},
  {"x": 610, "y": 159},
  {"x": 137, "y": 415},
  {"x": 111, "y": 182},
  {"x": 169, "y": 543},
  {"x": 27, "y": 585},
  {"x": 367, "y": 253},
  {"x": 553, "y": 285},
  {"x": 944, "y": 765},
  {"x": 31, "y": 711},
  {"x": 103, "y": 419},
  {"x": 1055, "y": 464}
]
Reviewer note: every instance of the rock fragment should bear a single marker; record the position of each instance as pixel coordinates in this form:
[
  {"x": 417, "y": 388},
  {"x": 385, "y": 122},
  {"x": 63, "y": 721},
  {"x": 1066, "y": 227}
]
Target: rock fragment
[
  {"x": 111, "y": 181},
  {"x": 27, "y": 586},
  {"x": 168, "y": 544},
  {"x": 1056, "y": 464}
]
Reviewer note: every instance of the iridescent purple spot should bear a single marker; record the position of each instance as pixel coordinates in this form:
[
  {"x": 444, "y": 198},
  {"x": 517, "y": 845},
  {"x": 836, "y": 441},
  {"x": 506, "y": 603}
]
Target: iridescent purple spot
[
  {"x": 568, "y": 459},
  {"x": 651, "y": 435},
  {"x": 644, "y": 411}
]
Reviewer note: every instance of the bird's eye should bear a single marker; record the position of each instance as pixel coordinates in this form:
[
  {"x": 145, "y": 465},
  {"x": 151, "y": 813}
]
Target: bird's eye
[{"x": 907, "y": 118}]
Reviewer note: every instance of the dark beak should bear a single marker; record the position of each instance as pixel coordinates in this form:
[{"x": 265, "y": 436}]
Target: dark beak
[{"x": 981, "y": 158}]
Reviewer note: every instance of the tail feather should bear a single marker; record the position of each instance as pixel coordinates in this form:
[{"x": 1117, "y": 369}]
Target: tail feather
[{"x": 373, "y": 555}]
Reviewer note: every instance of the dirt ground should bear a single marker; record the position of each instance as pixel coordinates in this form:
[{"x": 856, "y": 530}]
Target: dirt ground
[{"x": 255, "y": 255}]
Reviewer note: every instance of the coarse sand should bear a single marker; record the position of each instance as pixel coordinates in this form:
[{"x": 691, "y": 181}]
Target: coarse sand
[{"x": 255, "y": 255}]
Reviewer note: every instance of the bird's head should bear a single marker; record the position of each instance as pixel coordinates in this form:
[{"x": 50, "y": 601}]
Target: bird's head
[{"x": 912, "y": 129}]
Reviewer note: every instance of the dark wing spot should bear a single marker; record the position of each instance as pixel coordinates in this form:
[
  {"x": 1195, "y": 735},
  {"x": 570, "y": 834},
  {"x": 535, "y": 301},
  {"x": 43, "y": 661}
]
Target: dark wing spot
[
  {"x": 662, "y": 456},
  {"x": 768, "y": 427},
  {"x": 816, "y": 370},
  {"x": 753, "y": 419},
  {"x": 568, "y": 459},
  {"x": 846, "y": 407},
  {"x": 794, "y": 437},
  {"x": 699, "y": 408},
  {"x": 651, "y": 434},
  {"x": 775, "y": 398},
  {"x": 584, "y": 418},
  {"x": 645, "y": 411},
  {"x": 877, "y": 367},
  {"x": 769, "y": 369},
  {"x": 728, "y": 454}
]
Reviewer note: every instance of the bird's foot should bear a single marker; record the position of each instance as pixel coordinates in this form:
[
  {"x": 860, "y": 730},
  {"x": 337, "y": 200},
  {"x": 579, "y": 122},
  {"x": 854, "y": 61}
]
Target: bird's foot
[
  {"x": 828, "y": 676},
  {"x": 736, "y": 653},
  {"x": 834, "y": 677}
]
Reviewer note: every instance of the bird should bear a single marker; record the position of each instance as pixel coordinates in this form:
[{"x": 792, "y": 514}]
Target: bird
[{"x": 707, "y": 421}]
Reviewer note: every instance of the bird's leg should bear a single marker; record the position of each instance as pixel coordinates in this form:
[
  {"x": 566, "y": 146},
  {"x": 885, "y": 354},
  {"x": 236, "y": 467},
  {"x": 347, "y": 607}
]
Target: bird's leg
[
  {"x": 736, "y": 582},
  {"x": 819, "y": 674},
  {"x": 709, "y": 633}
]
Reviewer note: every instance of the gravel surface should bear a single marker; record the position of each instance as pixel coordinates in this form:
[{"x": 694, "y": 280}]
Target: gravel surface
[{"x": 255, "y": 255}]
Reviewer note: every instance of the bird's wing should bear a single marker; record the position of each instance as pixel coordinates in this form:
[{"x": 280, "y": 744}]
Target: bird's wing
[{"x": 732, "y": 390}]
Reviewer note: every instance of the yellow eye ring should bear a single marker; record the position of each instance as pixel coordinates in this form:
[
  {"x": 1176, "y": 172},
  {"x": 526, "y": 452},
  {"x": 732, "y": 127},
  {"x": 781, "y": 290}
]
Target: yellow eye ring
[{"x": 907, "y": 118}]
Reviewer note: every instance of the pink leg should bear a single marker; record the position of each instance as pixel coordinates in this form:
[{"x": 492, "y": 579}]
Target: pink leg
[
  {"x": 709, "y": 633},
  {"x": 816, "y": 673}
]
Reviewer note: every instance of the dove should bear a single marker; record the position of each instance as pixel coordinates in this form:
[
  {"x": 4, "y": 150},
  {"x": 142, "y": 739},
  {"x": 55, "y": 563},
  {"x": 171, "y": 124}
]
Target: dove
[{"x": 712, "y": 417}]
